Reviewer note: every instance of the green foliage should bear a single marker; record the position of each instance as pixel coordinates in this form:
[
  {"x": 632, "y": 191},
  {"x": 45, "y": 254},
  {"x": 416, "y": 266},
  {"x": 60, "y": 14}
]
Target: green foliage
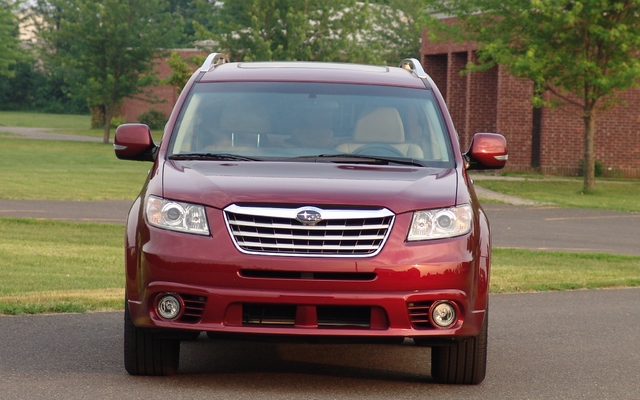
[
  {"x": 117, "y": 121},
  {"x": 9, "y": 50},
  {"x": 155, "y": 119},
  {"x": 105, "y": 49},
  {"x": 35, "y": 89},
  {"x": 181, "y": 70},
  {"x": 324, "y": 30},
  {"x": 584, "y": 52}
]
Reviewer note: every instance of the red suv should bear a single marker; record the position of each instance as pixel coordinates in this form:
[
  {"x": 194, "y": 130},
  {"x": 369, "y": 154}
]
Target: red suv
[{"x": 304, "y": 200}]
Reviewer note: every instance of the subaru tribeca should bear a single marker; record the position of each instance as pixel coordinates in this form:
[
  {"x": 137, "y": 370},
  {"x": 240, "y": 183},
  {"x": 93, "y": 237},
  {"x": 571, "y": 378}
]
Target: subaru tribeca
[{"x": 309, "y": 201}]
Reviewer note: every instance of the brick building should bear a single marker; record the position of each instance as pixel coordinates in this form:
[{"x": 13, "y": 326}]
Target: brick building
[
  {"x": 163, "y": 96},
  {"x": 550, "y": 140}
]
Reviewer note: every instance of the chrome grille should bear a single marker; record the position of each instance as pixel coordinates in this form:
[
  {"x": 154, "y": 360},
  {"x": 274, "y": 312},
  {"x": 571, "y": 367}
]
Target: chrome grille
[{"x": 278, "y": 231}]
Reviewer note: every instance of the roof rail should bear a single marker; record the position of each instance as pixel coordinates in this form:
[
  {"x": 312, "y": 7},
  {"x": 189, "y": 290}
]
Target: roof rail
[
  {"x": 213, "y": 59},
  {"x": 414, "y": 65}
]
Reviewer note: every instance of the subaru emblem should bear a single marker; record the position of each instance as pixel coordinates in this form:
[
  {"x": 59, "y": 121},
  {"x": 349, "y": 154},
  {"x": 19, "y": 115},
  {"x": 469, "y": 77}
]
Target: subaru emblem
[{"x": 309, "y": 216}]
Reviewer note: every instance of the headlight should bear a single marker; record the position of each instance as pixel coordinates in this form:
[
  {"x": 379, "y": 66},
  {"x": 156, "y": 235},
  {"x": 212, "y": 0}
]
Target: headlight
[
  {"x": 440, "y": 223},
  {"x": 176, "y": 216}
]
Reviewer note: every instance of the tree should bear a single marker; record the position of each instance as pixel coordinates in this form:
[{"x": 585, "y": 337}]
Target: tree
[
  {"x": 181, "y": 70},
  {"x": 397, "y": 29},
  {"x": 320, "y": 30},
  {"x": 583, "y": 52},
  {"x": 106, "y": 49},
  {"x": 9, "y": 50}
]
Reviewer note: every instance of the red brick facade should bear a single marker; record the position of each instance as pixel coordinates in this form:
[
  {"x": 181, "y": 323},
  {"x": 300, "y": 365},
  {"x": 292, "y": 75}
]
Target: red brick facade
[
  {"x": 494, "y": 101},
  {"x": 164, "y": 96}
]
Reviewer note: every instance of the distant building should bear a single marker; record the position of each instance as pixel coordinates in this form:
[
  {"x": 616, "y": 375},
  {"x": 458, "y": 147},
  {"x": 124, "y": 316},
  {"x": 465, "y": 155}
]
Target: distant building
[
  {"x": 550, "y": 140},
  {"x": 161, "y": 97}
]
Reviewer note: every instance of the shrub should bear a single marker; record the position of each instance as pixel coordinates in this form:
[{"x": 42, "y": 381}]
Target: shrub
[
  {"x": 155, "y": 119},
  {"x": 117, "y": 121}
]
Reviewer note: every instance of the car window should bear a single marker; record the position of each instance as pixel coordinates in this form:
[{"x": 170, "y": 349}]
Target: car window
[{"x": 292, "y": 119}]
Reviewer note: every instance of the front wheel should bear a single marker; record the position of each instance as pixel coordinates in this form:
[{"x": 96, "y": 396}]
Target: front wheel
[
  {"x": 462, "y": 362},
  {"x": 145, "y": 353}
]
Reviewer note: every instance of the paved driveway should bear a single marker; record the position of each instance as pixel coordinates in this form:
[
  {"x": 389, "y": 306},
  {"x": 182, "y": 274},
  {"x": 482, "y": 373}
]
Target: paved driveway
[
  {"x": 554, "y": 345},
  {"x": 566, "y": 229}
]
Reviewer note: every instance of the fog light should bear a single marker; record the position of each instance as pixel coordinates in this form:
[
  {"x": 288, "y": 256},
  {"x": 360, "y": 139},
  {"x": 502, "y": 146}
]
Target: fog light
[
  {"x": 169, "y": 306},
  {"x": 443, "y": 314}
]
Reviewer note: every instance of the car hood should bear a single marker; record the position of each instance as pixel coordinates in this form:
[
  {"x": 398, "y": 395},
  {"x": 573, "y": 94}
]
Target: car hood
[{"x": 398, "y": 188}]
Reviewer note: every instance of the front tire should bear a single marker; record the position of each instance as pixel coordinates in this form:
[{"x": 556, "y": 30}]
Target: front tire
[
  {"x": 145, "y": 353},
  {"x": 462, "y": 362}
]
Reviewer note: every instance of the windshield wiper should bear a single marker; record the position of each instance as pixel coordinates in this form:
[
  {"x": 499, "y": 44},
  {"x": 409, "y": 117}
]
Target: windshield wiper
[
  {"x": 346, "y": 157},
  {"x": 211, "y": 156}
]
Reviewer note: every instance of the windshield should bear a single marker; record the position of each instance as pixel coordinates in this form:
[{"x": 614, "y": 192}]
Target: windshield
[{"x": 297, "y": 121}]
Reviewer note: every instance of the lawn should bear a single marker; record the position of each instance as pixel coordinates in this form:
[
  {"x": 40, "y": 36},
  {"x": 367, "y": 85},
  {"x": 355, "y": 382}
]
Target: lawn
[
  {"x": 608, "y": 194},
  {"x": 64, "y": 170},
  {"x": 50, "y": 266},
  {"x": 42, "y": 120},
  {"x": 524, "y": 271},
  {"x": 57, "y": 123}
]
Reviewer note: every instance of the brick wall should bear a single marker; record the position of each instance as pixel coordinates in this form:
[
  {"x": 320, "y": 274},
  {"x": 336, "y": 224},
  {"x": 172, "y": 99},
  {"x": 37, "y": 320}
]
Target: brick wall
[
  {"x": 515, "y": 117},
  {"x": 617, "y": 142},
  {"x": 494, "y": 101},
  {"x": 157, "y": 97}
]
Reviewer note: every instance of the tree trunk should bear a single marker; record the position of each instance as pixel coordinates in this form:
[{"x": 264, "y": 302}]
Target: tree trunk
[
  {"x": 589, "y": 150},
  {"x": 108, "y": 114}
]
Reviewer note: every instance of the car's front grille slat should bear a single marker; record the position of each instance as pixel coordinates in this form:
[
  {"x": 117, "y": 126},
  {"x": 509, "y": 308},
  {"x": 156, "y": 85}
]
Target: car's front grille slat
[
  {"x": 344, "y": 233},
  {"x": 308, "y": 237},
  {"x": 323, "y": 228}
]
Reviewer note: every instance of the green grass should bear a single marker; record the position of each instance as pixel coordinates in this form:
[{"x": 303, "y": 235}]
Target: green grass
[
  {"x": 53, "y": 266},
  {"x": 63, "y": 170},
  {"x": 609, "y": 195},
  {"x": 42, "y": 120},
  {"x": 50, "y": 266},
  {"x": 525, "y": 270},
  {"x": 57, "y": 123}
]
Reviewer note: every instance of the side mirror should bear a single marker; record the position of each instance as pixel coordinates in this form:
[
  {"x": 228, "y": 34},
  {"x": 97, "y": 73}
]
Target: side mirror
[
  {"x": 134, "y": 142},
  {"x": 487, "y": 151}
]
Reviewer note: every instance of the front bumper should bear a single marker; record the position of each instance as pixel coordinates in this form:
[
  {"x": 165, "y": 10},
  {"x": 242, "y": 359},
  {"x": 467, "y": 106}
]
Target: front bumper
[{"x": 225, "y": 291}]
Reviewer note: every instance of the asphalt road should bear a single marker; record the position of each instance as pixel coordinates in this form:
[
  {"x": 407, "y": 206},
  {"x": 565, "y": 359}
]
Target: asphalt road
[
  {"x": 564, "y": 229},
  {"x": 531, "y": 227},
  {"x": 554, "y": 345}
]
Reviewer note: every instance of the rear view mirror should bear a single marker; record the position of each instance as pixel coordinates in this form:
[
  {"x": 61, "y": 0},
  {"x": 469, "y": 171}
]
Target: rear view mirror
[
  {"x": 134, "y": 142},
  {"x": 487, "y": 151}
]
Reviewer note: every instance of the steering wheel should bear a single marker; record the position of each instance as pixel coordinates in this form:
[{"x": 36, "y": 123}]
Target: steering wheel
[{"x": 378, "y": 149}]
